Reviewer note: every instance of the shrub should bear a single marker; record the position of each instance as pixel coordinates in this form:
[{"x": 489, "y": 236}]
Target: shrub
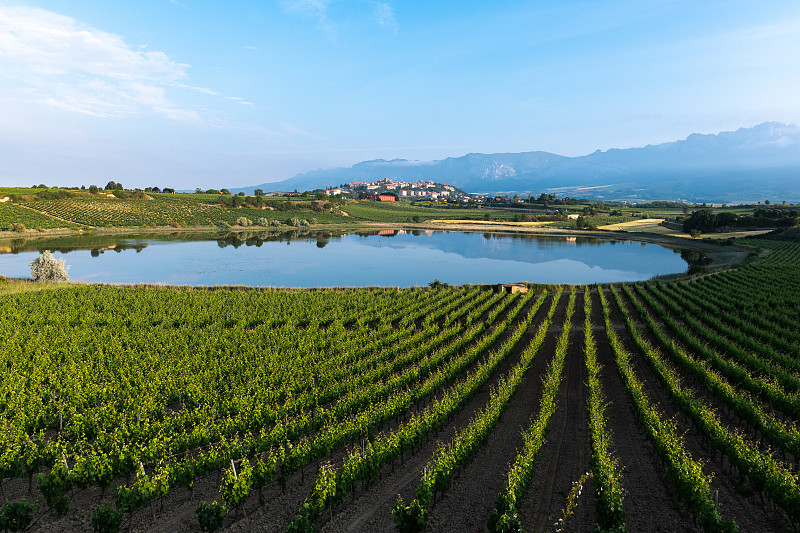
[
  {"x": 16, "y": 516},
  {"x": 243, "y": 221},
  {"x": 305, "y": 222},
  {"x": 48, "y": 268},
  {"x": 294, "y": 221},
  {"x": 106, "y": 519},
  {"x": 17, "y": 226},
  {"x": 54, "y": 488},
  {"x": 262, "y": 222},
  {"x": 223, "y": 224},
  {"x": 210, "y": 515},
  {"x": 274, "y": 222}
]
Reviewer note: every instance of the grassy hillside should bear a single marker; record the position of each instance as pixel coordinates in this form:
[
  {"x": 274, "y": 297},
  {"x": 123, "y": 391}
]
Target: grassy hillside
[{"x": 47, "y": 209}]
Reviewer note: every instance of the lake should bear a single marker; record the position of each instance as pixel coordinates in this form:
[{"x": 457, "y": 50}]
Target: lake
[{"x": 386, "y": 258}]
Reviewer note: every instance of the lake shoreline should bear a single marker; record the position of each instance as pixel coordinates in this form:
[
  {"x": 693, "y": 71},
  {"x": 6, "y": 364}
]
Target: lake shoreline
[{"x": 721, "y": 256}]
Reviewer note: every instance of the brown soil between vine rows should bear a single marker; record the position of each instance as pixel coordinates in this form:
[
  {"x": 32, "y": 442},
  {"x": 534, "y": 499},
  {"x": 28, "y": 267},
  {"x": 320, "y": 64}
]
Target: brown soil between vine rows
[
  {"x": 371, "y": 510},
  {"x": 650, "y": 503},
  {"x": 178, "y": 511},
  {"x": 737, "y": 500}
]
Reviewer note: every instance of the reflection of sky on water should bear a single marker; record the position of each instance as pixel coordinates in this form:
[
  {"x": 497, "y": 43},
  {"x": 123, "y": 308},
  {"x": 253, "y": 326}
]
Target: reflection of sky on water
[{"x": 353, "y": 260}]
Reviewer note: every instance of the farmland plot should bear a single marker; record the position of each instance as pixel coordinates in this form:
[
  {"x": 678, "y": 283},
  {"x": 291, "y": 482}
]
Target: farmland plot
[{"x": 658, "y": 406}]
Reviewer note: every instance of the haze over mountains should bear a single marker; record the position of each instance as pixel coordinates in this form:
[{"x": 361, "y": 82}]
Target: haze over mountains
[{"x": 749, "y": 164}]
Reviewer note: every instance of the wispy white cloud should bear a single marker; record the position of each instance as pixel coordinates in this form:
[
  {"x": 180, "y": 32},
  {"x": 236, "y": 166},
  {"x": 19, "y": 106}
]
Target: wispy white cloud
[
  {"x": 239, "y": 100},
  {"x": 204, "y": 90},
  {"x": 317, "y": 9},
  {"x": 384, "y": 15},
  {"x": 57, "y": 61}
]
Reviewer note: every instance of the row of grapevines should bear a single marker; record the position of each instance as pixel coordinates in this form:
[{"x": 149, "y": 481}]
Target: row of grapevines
[
  {"x": 505, "y": 516},
  {"x": 694, "y": 487},
  {"x": 333, "y": 486},
  {"x": 733, "y": 322},
  {"x": 765, "y": 473},
  {"x": 31, "y": 219},
  {"x": 758, "y": 363},
  {"x": 293, "y": 455},
  {"x": 451, "y": 457},
  {"x": 605, "y": 468},
  {"x": 765, "y": 387},
  {"x": 784, "y": 436}
]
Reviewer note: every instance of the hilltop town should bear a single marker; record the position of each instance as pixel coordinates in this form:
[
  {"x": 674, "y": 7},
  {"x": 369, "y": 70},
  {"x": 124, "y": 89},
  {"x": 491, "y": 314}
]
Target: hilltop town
[{"x": 382, "y": 189}]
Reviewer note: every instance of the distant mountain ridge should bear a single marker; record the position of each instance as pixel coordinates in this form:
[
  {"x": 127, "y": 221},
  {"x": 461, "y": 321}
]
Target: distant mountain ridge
[{"x": 749, "y": 164}]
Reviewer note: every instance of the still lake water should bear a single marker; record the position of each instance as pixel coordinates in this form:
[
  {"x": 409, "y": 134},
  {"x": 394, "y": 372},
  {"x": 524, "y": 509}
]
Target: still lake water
[{"x": 389, "y": 258}]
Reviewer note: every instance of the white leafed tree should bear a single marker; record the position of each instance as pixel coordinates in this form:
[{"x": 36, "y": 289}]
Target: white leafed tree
[{"x": 48, "y": 268}]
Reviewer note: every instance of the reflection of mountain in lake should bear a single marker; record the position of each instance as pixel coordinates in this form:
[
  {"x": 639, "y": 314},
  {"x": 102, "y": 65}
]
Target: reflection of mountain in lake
[{"x": 593, "y": 252}]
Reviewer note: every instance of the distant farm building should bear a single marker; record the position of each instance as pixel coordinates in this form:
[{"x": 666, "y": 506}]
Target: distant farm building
[
  {"x": 511, "y": 288},
  {"x": 384, "y": 197}
]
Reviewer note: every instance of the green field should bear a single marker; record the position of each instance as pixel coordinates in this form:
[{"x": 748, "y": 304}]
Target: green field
[
  {"x": 200, "y": 210},
  {"x": 294, "y": 408},
  {"x": 31, "y": 219}
]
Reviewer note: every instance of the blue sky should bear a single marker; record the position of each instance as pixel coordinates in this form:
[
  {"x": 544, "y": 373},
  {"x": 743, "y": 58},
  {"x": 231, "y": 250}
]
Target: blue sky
[{"x": 190, "y": 94}]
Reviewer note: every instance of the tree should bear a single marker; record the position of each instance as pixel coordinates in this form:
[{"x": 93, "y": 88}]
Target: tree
[
  {"x": 93, "y": 189},
  {"x": 111, "y": 185},
  {"x": 695, "y": 233},
  {"x": 47, "y": 268},
  {"x": 258, "y": 192}
]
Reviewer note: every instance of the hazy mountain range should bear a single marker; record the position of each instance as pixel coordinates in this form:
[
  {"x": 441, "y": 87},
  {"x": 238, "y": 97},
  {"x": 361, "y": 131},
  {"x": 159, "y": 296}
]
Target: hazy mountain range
[{"x": 749, "y": 164}]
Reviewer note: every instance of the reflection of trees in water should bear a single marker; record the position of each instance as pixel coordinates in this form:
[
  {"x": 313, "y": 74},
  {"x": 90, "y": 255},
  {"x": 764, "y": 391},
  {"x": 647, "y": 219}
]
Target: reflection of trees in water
[
  {"x": 258, "y": 238},
  {"x": 99, "y": 243},
  {"x": 118, "y": 248},
  {"x": 695, "y": 258}
]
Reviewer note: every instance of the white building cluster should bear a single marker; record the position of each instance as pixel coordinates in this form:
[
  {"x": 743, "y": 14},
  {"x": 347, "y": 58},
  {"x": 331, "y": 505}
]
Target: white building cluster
[{"x": 422, "y": 189}]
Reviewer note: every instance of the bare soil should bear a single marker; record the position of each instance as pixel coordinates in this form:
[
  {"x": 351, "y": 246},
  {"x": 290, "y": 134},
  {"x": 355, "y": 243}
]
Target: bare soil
[
  {"x": 738, "y": 501},
  {"x": 650, "y": 502}
]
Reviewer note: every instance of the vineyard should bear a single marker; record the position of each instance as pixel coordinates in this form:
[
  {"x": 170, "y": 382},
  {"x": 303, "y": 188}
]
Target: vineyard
[
  {"x": 657, "y": 406},
  {"x": 162, "y": 210},
  {"x": 17, "y": 214},
  {"x": 82, "y": 209}
]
